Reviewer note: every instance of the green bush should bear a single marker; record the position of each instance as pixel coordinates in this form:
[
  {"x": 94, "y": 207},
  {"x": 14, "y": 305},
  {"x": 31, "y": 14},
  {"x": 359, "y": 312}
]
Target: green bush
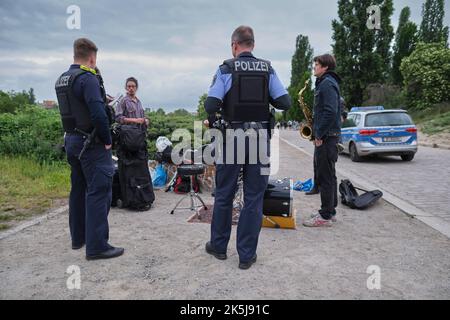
[
  {"x": 426, "y": 74},
  {"x": 11, "y": 101},
  {"x": 32, "y": 132},
  {"x": 162, "y": 124},
  {"x": 397, "y": 100},
  {"x": 37, "y": 133}
]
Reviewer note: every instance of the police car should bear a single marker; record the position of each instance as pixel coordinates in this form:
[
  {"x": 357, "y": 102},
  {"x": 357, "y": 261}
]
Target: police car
[{"x": 374, "y": 130}]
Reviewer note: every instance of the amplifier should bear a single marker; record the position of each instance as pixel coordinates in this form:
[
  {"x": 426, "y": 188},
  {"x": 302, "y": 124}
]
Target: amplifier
[{"x": 278, "y": 198}]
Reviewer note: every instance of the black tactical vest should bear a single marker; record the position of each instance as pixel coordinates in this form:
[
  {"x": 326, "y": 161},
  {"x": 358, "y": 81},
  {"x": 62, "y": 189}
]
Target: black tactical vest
[
  {"x": 109, "y": 109},
  {"x": 248, "y": 98},
  {"x": 74, "y": 112}
]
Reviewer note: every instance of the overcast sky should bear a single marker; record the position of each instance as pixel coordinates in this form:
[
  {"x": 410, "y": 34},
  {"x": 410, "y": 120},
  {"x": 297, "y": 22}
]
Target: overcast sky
[{"x": 172, "y": 47}]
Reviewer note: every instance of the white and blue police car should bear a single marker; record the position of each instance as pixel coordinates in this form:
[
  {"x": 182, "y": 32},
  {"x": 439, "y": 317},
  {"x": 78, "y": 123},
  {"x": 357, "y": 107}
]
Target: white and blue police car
[{"x": 376, "y": 131}]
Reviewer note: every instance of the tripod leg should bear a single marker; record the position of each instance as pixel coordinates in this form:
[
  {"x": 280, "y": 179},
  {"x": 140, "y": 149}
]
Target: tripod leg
[
  {"x": 201, "y": 200},
  {"x": 178, "y": 203},
  {"x": 192, "y": 202}
]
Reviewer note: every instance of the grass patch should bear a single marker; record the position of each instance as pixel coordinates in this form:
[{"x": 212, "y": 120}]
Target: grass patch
[
  {"x": 437, "y": 125},
  {"x": 28, "y": 188},
  {"x": 433, "y": 120}
]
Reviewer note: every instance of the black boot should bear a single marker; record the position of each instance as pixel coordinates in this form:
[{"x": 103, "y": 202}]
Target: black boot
[{"x": 314, "y": 190}]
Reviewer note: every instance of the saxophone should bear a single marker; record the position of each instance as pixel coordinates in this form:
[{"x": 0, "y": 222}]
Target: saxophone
[{"x": 305, "y": 128}]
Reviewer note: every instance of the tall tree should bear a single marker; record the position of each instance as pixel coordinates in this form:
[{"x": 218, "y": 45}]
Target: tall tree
[
  {"x": 301, "y": 60},
  {"x": 201, "y": 112},
  {"x": 432, "y": 28},
  {"x": 300, "y": 72},
  {"x": 161, "y": 112},
  {"x": 32, "y": 97},
  {"x": 405, "y": 41},
  {"x": 362, "y": 54}
]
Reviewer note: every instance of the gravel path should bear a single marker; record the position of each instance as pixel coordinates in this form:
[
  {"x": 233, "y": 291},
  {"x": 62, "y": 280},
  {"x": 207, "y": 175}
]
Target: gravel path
[{"x": 165, "y": 258}]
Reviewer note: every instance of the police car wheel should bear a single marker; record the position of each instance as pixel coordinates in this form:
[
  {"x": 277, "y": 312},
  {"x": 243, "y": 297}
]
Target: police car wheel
[
  {"x": 119, "y": 204},
  {"x": 354, "y": 153},
  {"x": 407, "y": 157}
]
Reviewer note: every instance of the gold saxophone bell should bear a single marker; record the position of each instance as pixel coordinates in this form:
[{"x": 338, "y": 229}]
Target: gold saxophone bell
[{"x": 306, "y": 131}]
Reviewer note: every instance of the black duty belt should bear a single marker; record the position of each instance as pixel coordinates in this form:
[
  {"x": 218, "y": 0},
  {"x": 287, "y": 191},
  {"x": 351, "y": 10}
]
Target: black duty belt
[
  {"x": 68, "y": 134},
  {"x": 250, "y": 125},
  {"x": 78, "y": 133}
]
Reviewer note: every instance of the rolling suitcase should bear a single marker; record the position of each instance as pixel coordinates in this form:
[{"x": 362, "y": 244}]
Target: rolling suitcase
[{"x": 136, "y": 186}]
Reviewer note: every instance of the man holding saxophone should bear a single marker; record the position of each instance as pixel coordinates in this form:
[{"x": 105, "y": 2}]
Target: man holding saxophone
[{"x": 326, "y": 132}]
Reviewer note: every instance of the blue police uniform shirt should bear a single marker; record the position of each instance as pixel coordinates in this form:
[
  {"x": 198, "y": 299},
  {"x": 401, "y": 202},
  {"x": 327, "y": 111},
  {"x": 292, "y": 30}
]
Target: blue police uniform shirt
[
  {"x": 222, "y": 84},
  {"x": 87, "y": 88}
]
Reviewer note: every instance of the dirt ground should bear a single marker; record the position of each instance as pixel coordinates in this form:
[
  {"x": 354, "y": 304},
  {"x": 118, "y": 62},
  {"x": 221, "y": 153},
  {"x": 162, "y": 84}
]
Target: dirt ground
[
  {"x": 439, "y": 140},
  {"x": 165, "y": 257}
]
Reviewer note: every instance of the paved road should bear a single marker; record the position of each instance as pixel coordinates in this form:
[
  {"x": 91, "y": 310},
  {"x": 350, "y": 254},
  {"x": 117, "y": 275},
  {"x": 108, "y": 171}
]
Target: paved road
[{"x": 420, "y": 186}]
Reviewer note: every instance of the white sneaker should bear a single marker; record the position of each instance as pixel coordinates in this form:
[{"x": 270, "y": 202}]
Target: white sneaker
[
  {"x": 317, "y": 221},
  {"x": 333, "y": 218}
]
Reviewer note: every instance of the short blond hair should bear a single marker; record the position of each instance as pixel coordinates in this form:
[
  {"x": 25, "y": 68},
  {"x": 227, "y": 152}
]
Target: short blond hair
[{"x": 83, "y": 48}]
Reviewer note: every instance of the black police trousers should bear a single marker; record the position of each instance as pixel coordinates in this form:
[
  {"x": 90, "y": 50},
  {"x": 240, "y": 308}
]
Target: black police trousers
[{"x": 326, "y": 157}]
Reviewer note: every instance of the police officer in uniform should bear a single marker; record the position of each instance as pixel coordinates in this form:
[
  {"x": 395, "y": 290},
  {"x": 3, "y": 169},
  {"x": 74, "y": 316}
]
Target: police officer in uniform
[
  {"x": 85, "y": 119},
  {"x": 242, "y": 90}
]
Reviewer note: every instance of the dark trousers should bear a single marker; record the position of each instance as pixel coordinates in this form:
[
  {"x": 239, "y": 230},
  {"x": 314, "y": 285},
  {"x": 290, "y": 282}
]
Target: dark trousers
[
  {"x": 90, "y": 195},
  {"x": 326, "y": 157},
  {"x": 250, "y": 219},
  {"x": 316, "y": 179}
]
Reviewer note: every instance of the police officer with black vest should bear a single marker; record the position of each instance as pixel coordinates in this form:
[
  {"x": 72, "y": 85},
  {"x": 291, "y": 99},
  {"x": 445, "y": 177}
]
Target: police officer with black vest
[
  {"x": 242, "y": 91},
  {"x": 81, "y": 98}
]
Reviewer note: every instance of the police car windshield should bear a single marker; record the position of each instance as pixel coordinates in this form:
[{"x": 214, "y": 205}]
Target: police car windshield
[{"x": 388, "y": 119}]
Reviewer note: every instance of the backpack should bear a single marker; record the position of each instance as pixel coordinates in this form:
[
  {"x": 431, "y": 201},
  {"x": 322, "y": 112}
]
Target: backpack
[
  {"x": 182, "y": 184},
  {"x": 132, "y": 138},
  {"x": 351, "y": 198}
]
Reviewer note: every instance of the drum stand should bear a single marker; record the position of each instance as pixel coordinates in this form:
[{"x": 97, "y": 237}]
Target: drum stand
[{"x": 190, "y": 170}]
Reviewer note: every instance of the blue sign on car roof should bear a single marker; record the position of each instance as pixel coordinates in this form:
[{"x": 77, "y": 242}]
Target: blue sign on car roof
[{"x": 371, "y": 108}]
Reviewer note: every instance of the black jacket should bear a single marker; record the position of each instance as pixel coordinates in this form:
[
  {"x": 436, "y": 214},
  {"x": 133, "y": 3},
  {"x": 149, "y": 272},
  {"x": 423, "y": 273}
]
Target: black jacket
[{"x": 327, "y": 106}]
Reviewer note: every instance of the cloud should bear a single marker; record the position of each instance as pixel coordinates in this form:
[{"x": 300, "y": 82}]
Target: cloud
[{"x": 173, "y": 47}]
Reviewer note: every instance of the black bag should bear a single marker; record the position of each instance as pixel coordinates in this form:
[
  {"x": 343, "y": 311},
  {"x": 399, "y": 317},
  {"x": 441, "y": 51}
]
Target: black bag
[
  {"x": 165, "y": 156},
  {"x": 132, "y": 138},
  {"x": 351, "y": 198},
  {"x": 135, "y": 183}
]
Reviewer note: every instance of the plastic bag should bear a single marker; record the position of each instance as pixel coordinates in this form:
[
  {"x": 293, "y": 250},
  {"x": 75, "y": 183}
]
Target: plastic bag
[
  {"x": 162, "y": 143},
  {"x": 160, "y": 177},
  {"x": 305, "y": 186}
]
